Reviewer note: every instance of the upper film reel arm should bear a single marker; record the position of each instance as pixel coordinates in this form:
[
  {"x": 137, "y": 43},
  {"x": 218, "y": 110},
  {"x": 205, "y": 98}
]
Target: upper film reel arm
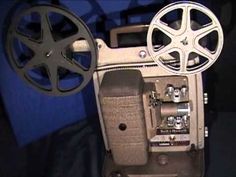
[{"x": 186, "y": 40}]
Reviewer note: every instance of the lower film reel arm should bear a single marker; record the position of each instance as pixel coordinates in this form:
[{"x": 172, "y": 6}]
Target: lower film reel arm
[{"x": 42, "y": 56}]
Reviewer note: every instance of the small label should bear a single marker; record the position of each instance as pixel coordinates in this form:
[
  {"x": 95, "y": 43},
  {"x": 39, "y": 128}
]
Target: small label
[
  {"x": 163, "y": 144},
  {"x": 170, "y": 140},
  {"x": 171, "y": 131}
]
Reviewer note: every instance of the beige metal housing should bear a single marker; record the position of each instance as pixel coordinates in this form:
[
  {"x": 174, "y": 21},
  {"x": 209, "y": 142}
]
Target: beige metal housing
[{"x": 128, "y": 58}]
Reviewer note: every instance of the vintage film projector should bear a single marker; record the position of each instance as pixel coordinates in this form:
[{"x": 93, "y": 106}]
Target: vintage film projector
[{"x": 150, "y": 98}]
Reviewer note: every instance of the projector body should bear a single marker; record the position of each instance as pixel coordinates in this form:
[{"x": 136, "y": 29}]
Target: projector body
[{"x": 152, "y": 120}]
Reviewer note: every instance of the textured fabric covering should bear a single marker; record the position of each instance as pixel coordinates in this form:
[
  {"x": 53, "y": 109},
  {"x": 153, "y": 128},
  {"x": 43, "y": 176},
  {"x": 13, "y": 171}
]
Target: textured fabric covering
[
  {"x": 122, "y": 108},
  {"x": 129, "y": 147},
  {"x": 121, "y": 83}
]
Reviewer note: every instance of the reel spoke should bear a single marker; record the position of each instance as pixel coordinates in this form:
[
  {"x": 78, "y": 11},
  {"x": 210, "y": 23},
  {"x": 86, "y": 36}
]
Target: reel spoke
[
  {"x": 33, "y": 45},
  {"x": 186, "y": 19},
  {"x": 53, "y": 76},
  {"x": 205, "y": 30},
  {"x": 46, "y": 28},
  {"x": 203, "y": 52},
  {"x": 73, "y": 66},
  {"x": 165, "y": 28},
  {"x": 164, "y": 50},
  {"x": 67, "y": 41},
  {"x": 184, "y": 61},
  {"x": 35, "y": 61}
]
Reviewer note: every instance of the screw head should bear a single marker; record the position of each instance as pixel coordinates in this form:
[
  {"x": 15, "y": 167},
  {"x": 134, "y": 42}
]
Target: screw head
[
  {"x": 205, "y": 98},
  {"x": 206, "y": 132},
  {"x": 163, "y": 159},
  {"x": 49, "y": 53},
  {"x": 99, "y": 46},
  {"x": 142, "y": 54}
]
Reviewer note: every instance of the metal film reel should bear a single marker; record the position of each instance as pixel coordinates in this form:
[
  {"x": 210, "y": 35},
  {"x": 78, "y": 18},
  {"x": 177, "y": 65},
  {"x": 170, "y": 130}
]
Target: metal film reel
[
  {"x": 38, "y": 47},
  {"x": 186, "y": 43}
]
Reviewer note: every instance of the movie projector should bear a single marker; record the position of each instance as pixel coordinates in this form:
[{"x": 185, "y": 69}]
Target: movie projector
[{"x": 150, "y": 97}]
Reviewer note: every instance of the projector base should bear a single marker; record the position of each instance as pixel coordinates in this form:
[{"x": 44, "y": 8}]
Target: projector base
[{"x": 168, "y": 164}]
